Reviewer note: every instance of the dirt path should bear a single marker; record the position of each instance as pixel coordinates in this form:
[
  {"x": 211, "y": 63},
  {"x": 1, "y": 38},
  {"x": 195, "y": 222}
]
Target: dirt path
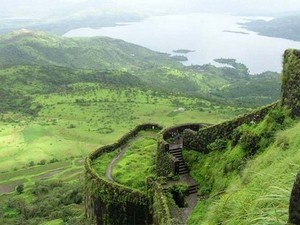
[
  {"x": 113, "y": 163},
  {"x": 192, "y": 202}
]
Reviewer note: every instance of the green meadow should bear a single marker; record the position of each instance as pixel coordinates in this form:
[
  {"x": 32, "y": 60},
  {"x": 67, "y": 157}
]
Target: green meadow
[{"x": 75, "y": 124}]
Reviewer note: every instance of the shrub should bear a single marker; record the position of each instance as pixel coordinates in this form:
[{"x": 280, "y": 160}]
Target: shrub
[
  {"x": 276, "y": 115},
  {"x": 53, "y": 160},
  {"x": 42, "y": 162},
  {"x": 31, "y": 164},
  {"x": 250, "y": 142},
  {"x": 218, "y": 144},
  {"x": 178, "y": 192},
  {"x": 20, "y": 188},
  {"x": 71, "y": 126}
]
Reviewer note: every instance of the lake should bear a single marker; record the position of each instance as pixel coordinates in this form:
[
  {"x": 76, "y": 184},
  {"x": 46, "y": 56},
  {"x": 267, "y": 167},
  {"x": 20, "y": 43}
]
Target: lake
[{"x": 211, "y": 36}]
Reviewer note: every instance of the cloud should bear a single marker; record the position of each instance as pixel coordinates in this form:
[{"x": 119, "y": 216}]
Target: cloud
[
  {"x": 76, "y": 1},
  {"x": 50, "y": 8}
]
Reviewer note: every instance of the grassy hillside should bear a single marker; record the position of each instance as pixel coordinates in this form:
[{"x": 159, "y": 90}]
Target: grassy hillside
[
  {"x": 38, "y": 48},
  {"x": 252, "y": 183},
  {"x": 257, "y": 89}
]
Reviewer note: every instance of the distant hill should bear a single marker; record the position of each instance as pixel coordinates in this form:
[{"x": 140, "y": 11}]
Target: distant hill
[
  {"x": 61, "y": 26},
  {"x": 38, "y": 63},
  {"x": 39, "y": 48},
  {"x": 285, "y": 27}
]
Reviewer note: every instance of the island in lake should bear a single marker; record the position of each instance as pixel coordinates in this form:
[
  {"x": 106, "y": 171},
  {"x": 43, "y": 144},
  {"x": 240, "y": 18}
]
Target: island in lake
[
  {"x": 183, "y": 51},
  {"x": 239, "y": 67},
  {"x": 235, "y": 32}
]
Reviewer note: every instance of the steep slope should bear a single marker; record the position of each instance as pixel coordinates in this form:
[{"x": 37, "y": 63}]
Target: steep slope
[
  {"x": 39, "y": 48},
  {"x": 245, "y": 189}
]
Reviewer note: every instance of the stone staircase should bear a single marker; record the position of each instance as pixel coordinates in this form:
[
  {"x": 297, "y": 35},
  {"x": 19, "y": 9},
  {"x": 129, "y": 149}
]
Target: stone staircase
[
  {"x": 193, "y": 189},
  {"x": 176, "y": 151}
]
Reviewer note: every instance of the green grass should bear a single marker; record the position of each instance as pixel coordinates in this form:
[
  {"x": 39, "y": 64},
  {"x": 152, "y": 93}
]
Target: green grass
[
  {"x": 54, "y": 222},
  {"x": 138, "y": 162},
  {"x": 63, "y": 170},
  {"x": 32, "y": 133},
  {"x": 255, "y": 191}
]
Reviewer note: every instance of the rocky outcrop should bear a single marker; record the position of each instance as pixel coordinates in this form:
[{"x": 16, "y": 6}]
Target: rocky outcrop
[{"x": 294, "y": 209}]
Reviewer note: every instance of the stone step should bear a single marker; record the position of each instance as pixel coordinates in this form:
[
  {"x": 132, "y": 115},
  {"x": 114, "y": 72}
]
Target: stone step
[
  {"x": 183, "y": 171},
  {"x": 177, "y": 154},
  {"x": 175, "y": 151},
  {"x": 193, "y": 189},
  {"x": 180, "y": 158},
  {"x": 176, "y": 146},
  {"x": 182, "y": 166}
]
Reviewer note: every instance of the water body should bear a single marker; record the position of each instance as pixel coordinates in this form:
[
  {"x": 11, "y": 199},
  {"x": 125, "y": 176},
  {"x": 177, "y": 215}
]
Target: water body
[{"x": 206, "y": 34}]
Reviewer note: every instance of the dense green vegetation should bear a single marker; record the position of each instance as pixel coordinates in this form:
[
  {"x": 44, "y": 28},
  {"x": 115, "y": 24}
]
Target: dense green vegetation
[
  {"x": 252, "y": 182},
  {"x": 44, "y": 191},
  {"x": 244, "y": 91},
  {"x": 283, "y": 27},
  {"x": 52, "y": 202}
]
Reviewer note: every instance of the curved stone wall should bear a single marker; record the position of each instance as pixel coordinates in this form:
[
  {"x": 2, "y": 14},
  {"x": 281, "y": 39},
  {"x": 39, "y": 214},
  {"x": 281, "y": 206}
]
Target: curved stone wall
[{"x": 110, "y": 203}]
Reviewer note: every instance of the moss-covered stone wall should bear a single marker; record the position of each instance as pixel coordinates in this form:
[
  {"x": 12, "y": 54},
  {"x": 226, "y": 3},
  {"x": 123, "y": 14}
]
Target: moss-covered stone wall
[
  {"x": 110, "y": 203},
  {"x": 291, "y": 81},
  {"x": 161, "y": 210},
  {"x": 199, "y": 140}
]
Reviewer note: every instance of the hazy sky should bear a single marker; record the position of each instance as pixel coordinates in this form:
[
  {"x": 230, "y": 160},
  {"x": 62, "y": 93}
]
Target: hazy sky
[{"x": 48, "y": 8}]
